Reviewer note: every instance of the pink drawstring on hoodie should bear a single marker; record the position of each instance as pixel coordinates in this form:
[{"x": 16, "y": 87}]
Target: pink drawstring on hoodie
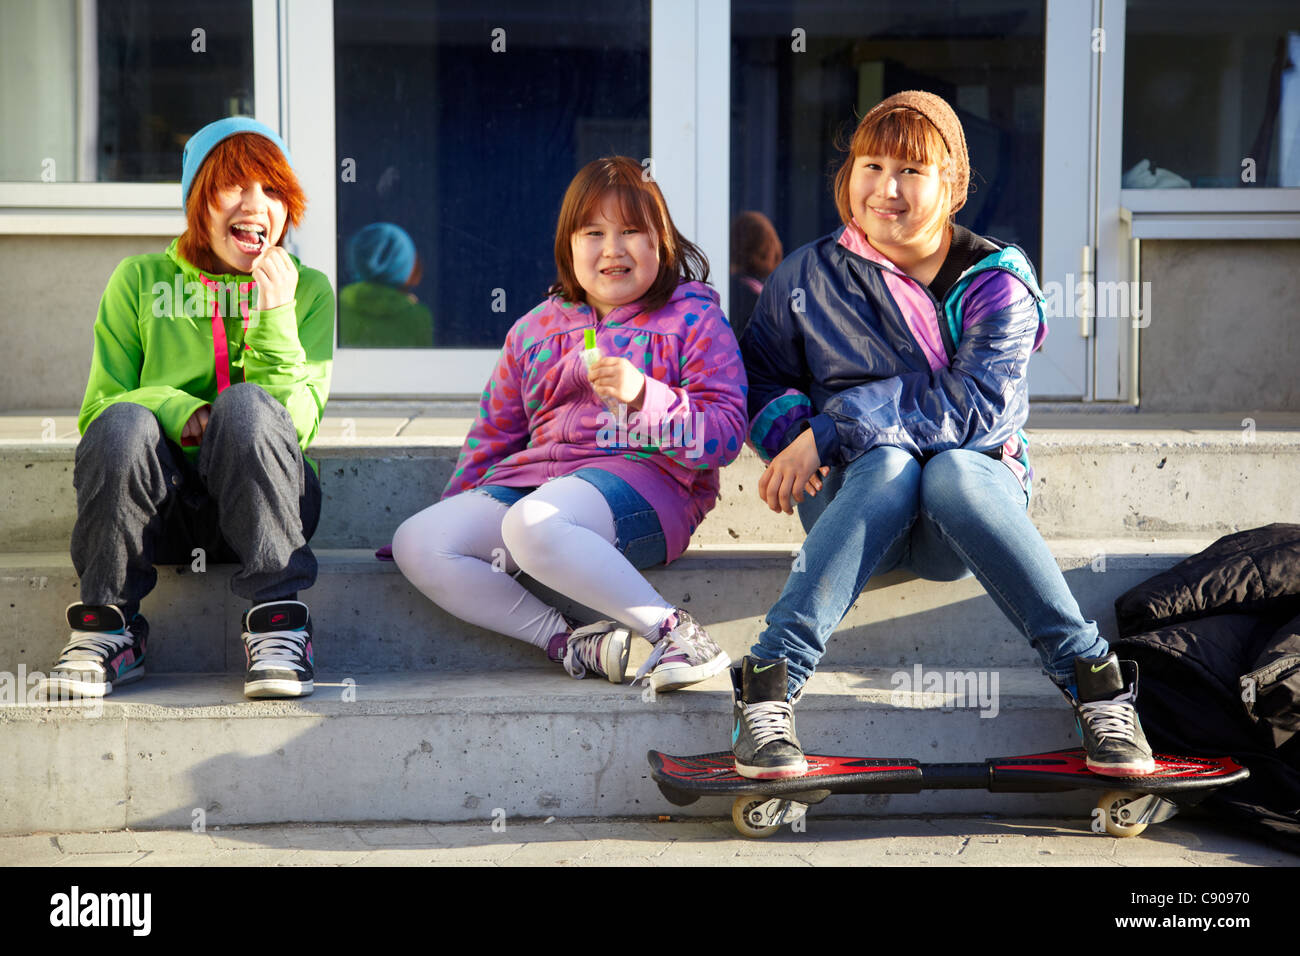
[{"x": 219, "y": 344}]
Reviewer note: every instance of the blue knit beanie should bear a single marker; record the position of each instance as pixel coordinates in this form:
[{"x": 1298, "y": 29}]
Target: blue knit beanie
[
  {"x": 202, "y": 142},
  {"x": 381, "y": 252}
]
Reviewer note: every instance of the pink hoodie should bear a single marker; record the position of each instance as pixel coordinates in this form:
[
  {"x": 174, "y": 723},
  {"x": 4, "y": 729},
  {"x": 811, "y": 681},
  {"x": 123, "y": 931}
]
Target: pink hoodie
[{"x": 539, "y": 418}]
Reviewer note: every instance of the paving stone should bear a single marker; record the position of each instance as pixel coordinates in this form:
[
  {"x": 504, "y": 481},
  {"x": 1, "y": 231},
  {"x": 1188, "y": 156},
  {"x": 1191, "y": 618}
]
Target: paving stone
[
  {"x": 1153, "y": 861},
  {"x": 407, "y": 836},
  {"x": 34, "y": 850},
  {"x": 101, "y": 859},
  {"x": 257, "y": 856},
  {"x": 260, "y": 837},
  {"x": 421, "y": 856},
  {"x": 175, "y": 858},
  {"x": 120, "y": 841},
  {"x": 945, "y": 846},
  {"x": 790, "y": 861},
  {"x": 323, "y": 838},
  {"x": 322, "y": 857},
  {"x": 178, "y": 841}
]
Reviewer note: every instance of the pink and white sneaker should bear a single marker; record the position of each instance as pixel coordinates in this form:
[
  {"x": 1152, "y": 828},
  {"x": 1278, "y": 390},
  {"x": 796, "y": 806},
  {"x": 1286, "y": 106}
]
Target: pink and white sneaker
[
  {"x": 600, "y": 648},
  {"x": 684, "y": 655}
]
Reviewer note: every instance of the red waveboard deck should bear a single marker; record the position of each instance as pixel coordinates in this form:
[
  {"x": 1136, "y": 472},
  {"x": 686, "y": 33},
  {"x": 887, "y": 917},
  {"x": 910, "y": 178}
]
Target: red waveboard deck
[
  {"x": 1069, "y": 768},
  {"x": 684, "y": 779},
  {"x": 715, "y": 775}
]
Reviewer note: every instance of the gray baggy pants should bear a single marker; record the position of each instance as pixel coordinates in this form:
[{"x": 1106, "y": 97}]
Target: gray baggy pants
[{"x": 253, "y": 500}]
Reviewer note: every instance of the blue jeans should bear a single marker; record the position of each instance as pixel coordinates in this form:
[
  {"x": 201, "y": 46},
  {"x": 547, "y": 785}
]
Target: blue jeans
[
  {"x": 638, "y": 535},
  {"x": 960, "y": 512}
]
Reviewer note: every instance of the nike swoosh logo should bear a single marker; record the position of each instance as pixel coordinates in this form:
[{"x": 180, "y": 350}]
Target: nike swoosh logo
[
  {"x": 759, "y": 670},
  {"x": 1100, "y": 667}
]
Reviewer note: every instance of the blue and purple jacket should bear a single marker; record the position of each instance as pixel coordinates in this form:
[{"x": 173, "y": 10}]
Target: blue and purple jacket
[{"x": 845, "y": 343}]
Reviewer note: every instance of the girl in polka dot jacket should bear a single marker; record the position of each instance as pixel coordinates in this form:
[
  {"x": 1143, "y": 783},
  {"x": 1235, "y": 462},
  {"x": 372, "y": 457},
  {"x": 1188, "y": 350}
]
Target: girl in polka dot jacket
[{"x": 588, "y": 464}]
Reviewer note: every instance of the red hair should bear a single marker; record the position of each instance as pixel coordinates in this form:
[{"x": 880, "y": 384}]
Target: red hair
[
  {"x": 642, "y": 205},
  {"x": 901, "y": 133},
  {"x": 236, "y": 161}
]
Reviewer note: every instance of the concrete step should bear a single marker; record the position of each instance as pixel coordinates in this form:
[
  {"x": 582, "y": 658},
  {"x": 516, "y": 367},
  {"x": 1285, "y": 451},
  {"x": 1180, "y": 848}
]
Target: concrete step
[
  {"x": 436, "y": 746},
  {"x": 1098, "y": 475},
  {"x": 368, "y": 618}
]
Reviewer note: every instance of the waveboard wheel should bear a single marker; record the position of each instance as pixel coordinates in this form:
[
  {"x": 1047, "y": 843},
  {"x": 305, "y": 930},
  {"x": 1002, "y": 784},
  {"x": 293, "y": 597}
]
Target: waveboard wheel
[
  {"x": 740, "y": 810},
  {"x": 1112, "y": 805}
]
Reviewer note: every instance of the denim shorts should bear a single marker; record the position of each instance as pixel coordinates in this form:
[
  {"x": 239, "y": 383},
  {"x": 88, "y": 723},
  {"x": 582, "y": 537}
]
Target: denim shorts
[{"x": 638, "y": 535}]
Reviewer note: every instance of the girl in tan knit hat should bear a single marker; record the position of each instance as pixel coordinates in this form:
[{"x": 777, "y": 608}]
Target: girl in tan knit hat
[{"x": 887, "y": 389}]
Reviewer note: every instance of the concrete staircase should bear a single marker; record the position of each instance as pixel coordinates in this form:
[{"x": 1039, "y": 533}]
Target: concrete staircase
[{"x": 417, "y": 716}]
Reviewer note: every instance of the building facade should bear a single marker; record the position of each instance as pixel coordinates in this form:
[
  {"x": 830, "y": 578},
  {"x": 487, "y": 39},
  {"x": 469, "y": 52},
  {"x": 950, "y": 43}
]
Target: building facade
[{"x": 1145, "y": 153}]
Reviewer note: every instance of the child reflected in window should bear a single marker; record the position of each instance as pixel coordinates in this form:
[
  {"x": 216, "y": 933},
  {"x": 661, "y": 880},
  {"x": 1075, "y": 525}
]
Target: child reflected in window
[{"x": 379, "y": 310}]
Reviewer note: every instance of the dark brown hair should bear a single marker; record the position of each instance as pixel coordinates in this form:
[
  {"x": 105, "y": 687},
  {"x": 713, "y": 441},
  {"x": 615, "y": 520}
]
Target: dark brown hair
[
  {"x": 900, "y": 133},
  {"x": 641, "y": 204},
  {"x": 236, "y": 161}
]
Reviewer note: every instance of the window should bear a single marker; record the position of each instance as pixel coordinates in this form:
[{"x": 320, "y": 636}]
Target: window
[
  {"x": 462, "y": 125},
  {"x": 109, "y": 92},
  {"x": 1211, "y": 94},
  {"x": 804, "y": 73}
]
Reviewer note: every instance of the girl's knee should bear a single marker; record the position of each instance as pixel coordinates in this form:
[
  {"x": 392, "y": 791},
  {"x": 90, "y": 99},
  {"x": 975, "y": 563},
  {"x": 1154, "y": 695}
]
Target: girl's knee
[
  {"x": 124, "y": 428},
  {"x": 407, "y": 540},
  {"x": 246, "y": 409},
  {"x": 892, "y": 467},
  {"x": 527, "y": 530},
  {"x": 884, "y": 474},
  {"x": 952, "y": 475},
  {"x": 420, "y": 540}
]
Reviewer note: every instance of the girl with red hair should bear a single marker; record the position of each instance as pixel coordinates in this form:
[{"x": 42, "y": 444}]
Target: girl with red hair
[
  {"x": 209, "y": 377},
  {"x": 588, "y": 464}
]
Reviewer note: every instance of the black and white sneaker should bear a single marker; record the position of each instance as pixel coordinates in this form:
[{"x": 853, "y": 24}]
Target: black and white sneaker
[
  {"x": 1106, "y": 690},
  {"x": 763, "y": 739},
  {"x": 102, "y": 652},
  {"x": 277, "y": 643}
]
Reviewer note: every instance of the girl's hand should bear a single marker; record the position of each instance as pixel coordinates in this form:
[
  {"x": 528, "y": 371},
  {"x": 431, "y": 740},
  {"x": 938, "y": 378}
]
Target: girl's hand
[
  {"x": 617, "y": 379},
  {"x": 192, "y": 433},
  {"x": 276, "y": 278},
  {"x": 792, "y": 474}
]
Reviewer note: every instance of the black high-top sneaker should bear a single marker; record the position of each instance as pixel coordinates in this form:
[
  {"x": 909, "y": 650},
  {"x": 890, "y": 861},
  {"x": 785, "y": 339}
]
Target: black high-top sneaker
[
  {"x": 102, "y": 651},
  {"x": 1106, "y": 690},
  {"x": 763, "y": 741},
  {"x": 277, "y": 642}
]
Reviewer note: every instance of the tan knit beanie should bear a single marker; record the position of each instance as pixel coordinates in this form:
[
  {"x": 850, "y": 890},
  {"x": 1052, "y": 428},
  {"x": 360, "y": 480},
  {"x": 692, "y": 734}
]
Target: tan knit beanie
[{"x": 940, "y": 114}]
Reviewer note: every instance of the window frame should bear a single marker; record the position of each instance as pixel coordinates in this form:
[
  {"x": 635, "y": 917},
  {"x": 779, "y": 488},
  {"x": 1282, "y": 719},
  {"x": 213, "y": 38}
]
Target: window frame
[
  {"x": 135, "y": 209},
  {"x": 690, "y": 64}
]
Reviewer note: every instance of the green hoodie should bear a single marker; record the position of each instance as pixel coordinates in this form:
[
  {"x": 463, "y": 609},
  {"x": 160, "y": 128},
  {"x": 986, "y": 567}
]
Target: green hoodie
[
  {"x": 154, "y": 346},
  {"x": 376, "y": 316}
]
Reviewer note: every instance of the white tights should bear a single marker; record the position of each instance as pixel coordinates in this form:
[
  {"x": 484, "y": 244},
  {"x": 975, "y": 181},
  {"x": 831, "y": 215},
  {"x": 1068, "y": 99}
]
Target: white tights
[{"x": 462, "y": 552}]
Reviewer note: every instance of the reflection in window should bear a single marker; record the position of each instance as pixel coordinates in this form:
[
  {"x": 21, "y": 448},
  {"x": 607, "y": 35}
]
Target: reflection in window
[
  {"x": 462, "y": 125},
  {"x": 110, "y": 91},
  {"x": 803, "y": 73},
  {"x": 1211, "y": 94}
]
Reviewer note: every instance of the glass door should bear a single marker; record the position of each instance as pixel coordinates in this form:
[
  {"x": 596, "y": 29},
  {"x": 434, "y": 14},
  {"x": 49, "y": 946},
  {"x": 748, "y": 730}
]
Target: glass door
[
  {"x": 453, "y": 131},
  {"x": 802, "y": 73},
  {"x": 461, "y": 127}
]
